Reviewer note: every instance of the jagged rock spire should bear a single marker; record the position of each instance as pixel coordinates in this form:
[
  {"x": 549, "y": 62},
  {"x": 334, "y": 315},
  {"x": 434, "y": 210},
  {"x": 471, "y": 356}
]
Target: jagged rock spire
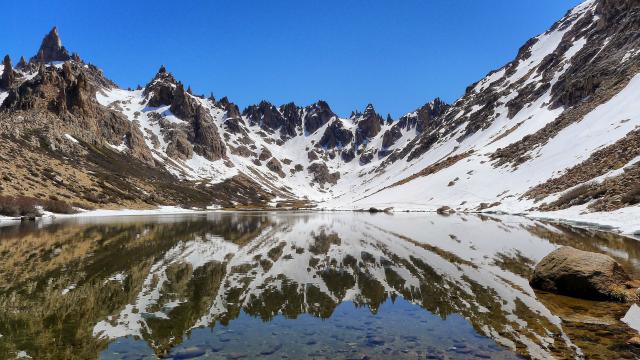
[
  {"x": 22, "y": 63},
  {"x": 51, "y": 49},
  {"x": 8, "y": 75}
]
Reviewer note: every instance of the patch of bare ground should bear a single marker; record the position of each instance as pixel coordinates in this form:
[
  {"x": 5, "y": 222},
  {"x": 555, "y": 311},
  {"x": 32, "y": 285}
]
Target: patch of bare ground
[
  {"x": 99, "y": 177},
  {"x": 611, "y": 194}
]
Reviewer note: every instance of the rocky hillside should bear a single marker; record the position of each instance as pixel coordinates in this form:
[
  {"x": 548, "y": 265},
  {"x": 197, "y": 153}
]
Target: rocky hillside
[{"x": 554, "y": 129}]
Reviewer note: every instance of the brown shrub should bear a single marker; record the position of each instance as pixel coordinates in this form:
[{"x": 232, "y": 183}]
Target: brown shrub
[
  {"x": 576, "y": 196},
  {"x": 18, "y": 206},
  {"x": 632, "y": 196},
  {"x": 58, "y": 207}
]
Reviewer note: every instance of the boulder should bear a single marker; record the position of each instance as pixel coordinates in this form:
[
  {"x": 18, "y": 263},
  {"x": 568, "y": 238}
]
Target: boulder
[
  {"x": 445, "y": 210},
  {"x": 582, "y": 274}
]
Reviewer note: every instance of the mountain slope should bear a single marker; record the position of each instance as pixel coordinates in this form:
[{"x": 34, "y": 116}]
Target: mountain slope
[
  {"x": 556, "y": 129},
  {"x": 564, "y": 113}
]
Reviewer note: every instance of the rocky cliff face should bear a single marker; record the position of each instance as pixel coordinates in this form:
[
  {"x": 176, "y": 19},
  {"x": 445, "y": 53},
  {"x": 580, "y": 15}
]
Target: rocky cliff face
[{"x": 369, "y": 124}]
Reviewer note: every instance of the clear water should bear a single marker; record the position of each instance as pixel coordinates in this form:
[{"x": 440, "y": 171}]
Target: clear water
[{"x": 299, "y": 285}]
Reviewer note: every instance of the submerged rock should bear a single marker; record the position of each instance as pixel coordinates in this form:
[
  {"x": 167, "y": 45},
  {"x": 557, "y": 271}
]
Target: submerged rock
[{"x": 582, "y": 274}]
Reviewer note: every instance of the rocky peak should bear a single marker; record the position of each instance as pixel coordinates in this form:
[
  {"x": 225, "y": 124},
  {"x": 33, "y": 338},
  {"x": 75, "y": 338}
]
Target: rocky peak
[
  {"x": 22, "y": 64},
  {"x": 202, "y": 131},
  {"x": 8, "y": 75},
  {"x": 369, "y": 110},
  {"x": 292, "y": 119},
  {"x": 233, "y": 112},
  {"x": 316, "y": 115},
  {"x": 160, "y": 90},
  {"x": 369, "y": 124},
  {"x": 51, "y": 49},
  {"x": 265, "y": 115},
  {"x": 286, "y": 119},
  {"x": 427, "y": 113}
]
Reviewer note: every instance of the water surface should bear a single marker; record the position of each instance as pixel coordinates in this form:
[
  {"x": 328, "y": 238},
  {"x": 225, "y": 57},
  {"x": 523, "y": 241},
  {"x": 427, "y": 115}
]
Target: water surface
[{"x": 299, "y": 285}]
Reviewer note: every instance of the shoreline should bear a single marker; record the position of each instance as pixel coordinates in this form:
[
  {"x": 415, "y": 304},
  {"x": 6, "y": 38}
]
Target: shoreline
[{"x": 625, "y": 222}]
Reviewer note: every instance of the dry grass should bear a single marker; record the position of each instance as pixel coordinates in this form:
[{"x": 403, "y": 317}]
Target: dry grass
[
  {"x": 632, "y": 196},
  {"x": 58, "y": 207},
  {"x": 18, "y": 206},
  {"x": 573, "y": 195},
  {"x": 27, "y": 206}
]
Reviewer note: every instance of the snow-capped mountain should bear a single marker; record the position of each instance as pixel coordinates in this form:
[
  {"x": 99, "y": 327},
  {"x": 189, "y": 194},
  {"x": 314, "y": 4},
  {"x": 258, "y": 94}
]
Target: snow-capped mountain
[{"x": 556, "y": 129}]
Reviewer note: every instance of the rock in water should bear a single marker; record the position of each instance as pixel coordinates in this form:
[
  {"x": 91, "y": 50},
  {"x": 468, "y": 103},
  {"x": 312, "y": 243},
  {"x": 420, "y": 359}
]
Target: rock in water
[{"x": 582, "y": 274}]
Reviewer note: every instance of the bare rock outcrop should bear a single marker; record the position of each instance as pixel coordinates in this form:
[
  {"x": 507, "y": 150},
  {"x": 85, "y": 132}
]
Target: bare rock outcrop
[
  {"x": 202, "y": 131},
  {"x": 335, "y": 135},
  {"x": 275, "y": 166},
  {"x": 179, "y": 146},
  {"x": 582, "y": 274},
  {"x": 321, "y": 174},
  {"x": 369, "y": 124},
  {"x": 51, "y": 49},
  {"x": 316, "y": 116},
  {"x": 69, "y": 93},
  {"x": 8, "y": 77},
  {"x": 287, "y": 119}
]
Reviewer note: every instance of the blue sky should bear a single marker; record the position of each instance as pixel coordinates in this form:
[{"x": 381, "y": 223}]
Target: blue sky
[{"x": 395, "y": 54}]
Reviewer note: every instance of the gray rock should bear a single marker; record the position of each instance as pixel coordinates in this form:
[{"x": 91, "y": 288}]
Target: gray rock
[{"x": 582, "y": 274}]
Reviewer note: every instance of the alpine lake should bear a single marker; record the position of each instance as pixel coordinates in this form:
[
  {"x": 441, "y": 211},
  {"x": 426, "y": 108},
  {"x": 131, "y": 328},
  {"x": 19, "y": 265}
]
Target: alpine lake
[{"x": 300, "y": 285}]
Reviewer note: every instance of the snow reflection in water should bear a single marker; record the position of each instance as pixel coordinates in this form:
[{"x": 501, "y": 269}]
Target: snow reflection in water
[{"x": 344, "y": 285}]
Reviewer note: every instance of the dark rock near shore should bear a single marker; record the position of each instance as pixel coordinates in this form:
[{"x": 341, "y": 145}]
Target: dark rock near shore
[
  {"x": 582, "y": 274},
  {"x": 445, "y": 210}
]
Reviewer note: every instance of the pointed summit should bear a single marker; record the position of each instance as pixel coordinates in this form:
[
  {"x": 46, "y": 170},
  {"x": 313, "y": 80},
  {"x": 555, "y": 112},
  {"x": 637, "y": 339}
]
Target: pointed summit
[
  {"x": 369, "y": 124},
  {"x": 51, "y": 49},
  {"x": 8, "y": 75},
  {"x": 22, "y": 63}
]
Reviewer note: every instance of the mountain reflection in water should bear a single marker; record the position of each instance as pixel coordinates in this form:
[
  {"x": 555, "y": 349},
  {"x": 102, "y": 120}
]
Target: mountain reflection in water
[{"x": 316, "y": 285}]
